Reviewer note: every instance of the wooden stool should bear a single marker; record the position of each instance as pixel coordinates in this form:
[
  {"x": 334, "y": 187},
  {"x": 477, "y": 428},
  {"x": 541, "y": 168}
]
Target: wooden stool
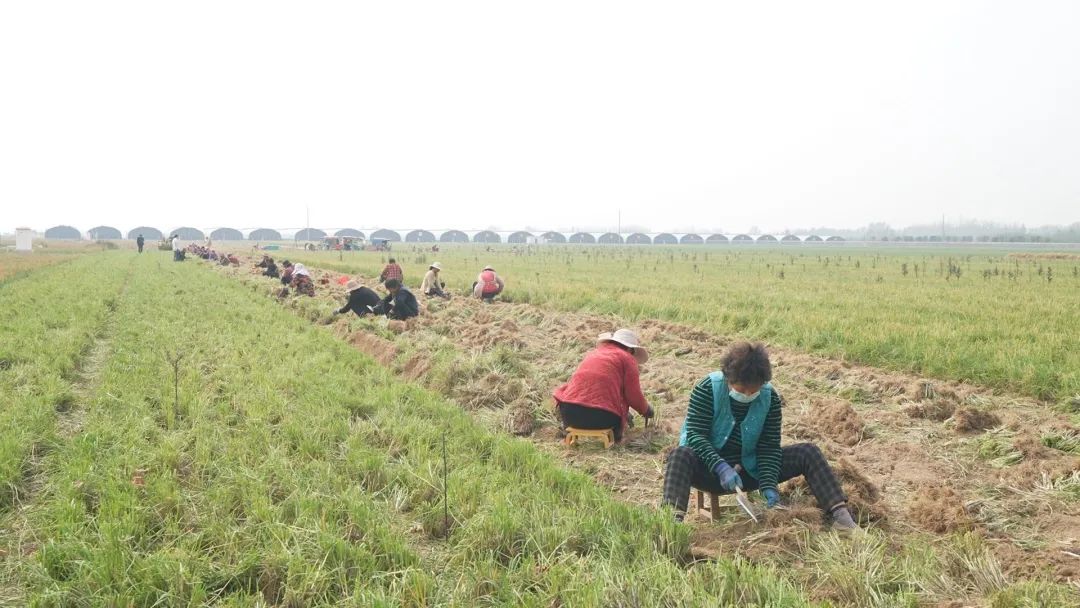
[
  {"x": 714, "y": 504},
  {"x": 605, "y": 435}
]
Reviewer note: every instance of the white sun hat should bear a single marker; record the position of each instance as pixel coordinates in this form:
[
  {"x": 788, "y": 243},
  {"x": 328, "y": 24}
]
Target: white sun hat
[
  {"x": 436, "y": 266},
  {"x": 629, "y": 339},
  {"x": 488, "y": 268}
]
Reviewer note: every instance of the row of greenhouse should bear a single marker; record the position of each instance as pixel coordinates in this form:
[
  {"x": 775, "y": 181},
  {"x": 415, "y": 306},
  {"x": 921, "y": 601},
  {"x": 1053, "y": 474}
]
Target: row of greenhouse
[{"x": 434, "y": 236}]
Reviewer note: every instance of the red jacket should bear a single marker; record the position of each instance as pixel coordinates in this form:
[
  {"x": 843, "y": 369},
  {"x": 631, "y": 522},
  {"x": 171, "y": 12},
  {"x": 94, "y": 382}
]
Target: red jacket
[{"x": 608, "y": 379}]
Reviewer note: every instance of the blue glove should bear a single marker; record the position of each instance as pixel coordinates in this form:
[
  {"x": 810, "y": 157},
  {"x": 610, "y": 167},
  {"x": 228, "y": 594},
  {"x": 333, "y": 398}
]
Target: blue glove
[
  {"x": 772, "y": 497},
  {"x": 729, "y": 479}
]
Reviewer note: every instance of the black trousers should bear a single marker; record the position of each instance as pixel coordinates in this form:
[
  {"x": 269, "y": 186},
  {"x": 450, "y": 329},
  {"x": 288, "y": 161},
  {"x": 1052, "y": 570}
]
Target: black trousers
[
  {"x": 591, "y": 418},
  {"x": 684, "y": 470}
]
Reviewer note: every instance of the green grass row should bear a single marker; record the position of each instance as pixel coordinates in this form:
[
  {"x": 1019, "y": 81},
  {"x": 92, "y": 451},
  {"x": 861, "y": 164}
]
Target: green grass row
[
  {"x": 47, "y": 320},
  {"x": 294, "y": 471},
  {"x": 1002, "y": 322}
]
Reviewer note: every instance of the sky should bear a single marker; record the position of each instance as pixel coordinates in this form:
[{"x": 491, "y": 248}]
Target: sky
[{"x": 550, "y": 115}]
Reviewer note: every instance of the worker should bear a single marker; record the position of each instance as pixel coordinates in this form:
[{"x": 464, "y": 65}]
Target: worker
[
  {"x": 177, "y": 253},
  {"x": 301, "y": 281},
  {"x": 731, "y": 440},
  {"x": 606, "y": 386},
  {"x": 432, "y": 286},
  {"x": 400, "y": 304},
  {"x": 139, "y": 242},
  {"x": 391, "y": 271},
  {"x": 487, "y": 285},
  {"x": 269, "y": 267},
  {"x": 286, "y": 272},
  {"x": 362, "y": 300}
]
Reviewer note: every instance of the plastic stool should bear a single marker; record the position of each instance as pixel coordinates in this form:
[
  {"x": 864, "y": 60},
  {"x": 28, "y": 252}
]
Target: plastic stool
[{"x": 605, "y": 435}]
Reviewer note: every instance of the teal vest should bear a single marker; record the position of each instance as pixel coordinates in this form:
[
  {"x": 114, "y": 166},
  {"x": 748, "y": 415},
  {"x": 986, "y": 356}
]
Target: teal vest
[{"x": 724, "y": 422}]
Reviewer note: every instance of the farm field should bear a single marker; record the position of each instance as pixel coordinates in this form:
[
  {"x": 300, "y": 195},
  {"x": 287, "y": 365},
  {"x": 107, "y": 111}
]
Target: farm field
[
  {"x": 1000, "y": 320},
  {"x": 298, "y": 459},
  {"x": 14, "y": 264}
]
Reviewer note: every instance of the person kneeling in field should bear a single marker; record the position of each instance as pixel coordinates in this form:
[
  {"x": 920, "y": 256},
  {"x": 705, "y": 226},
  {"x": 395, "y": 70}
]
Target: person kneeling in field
[
  {"x": 432, "y": 286},
  {"x": 362, "y": 300},
  {"x": 734, "y": 420},
  {"x": 488, "y": 285},
  {"x": 300, "y": 281},
  {"x": 605, "y": 386},
  {"x": 400, "y": 304}
]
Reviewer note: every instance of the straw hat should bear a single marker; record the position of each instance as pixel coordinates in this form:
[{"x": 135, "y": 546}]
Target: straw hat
[
  {"x": 629, "y": 339},
  {"x": 436, "y": 266},
  {"x": 352, "y": 285},
  {"x": 488, "y": 268}
]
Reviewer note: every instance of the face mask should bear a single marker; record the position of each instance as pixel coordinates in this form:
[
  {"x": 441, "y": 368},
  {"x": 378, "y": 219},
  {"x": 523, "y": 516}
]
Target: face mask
[{"x": 741, "y": 398}]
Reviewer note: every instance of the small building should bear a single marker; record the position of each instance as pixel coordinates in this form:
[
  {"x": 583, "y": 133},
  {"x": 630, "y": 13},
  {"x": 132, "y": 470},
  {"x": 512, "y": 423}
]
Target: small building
[
  {"x": 610, "y": 238},
  {"x": 148, "y": 233},
  {"x": 638, "y": 238},
  {"x": 420, "y": 236},
  {"x": 665, "y": 238},
  {"x": 264, "y": 234},
  {"x": 104, "y": 233},
  {"x": 385, "y": 234},
  {"x": 453, "y": 236},
  {"x": 24, "y": 239},
  {"x": 226, "y": 234},
  {"x": 63, "y": 233},
  {"x": 309, "y": 234},
  {"x": 582, "y": 238},
  {"x": 486, "y": 236},
  {"x": 187, "y": 233},
  {"x": 553, "y": 237}
]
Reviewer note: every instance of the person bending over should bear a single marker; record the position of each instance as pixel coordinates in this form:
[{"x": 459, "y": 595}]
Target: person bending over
[{"x": 605, "y": 386}]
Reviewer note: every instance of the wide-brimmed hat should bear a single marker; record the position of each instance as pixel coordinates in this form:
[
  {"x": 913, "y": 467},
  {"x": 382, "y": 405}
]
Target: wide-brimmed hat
[
  {"x": 352, "y": 285},
  {"x": 488, "y": 268},
  {"x": 629, "y": 339},
  {"x": 436, "y": 266}
]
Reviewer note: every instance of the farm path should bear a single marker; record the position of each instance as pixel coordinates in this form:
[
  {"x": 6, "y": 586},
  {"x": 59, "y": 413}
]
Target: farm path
[{"x": 906, "y": 447}]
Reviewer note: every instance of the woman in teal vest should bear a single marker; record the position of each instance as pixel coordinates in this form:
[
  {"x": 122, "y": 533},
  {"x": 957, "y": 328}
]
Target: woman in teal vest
[{"x": 731, "y": 439}]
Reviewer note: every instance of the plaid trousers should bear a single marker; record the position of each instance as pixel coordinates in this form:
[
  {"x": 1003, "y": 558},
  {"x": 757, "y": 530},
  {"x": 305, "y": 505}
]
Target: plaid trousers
[{"x": 684, "y": 470}]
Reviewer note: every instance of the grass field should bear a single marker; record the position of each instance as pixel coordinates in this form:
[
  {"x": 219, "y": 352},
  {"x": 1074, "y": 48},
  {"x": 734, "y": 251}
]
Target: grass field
[
  {"x": 286, "y": 467},
  {"x": 998, "y": 320}
]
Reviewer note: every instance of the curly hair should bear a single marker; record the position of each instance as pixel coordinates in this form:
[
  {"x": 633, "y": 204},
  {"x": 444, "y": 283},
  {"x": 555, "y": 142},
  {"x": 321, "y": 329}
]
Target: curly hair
[{"x": 747, "y": 363}]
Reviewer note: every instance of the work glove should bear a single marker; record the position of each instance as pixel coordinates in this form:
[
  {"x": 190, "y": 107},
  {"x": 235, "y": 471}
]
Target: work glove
[
  {"x": 729, "y": 479},
  {"x": 649, "y": 413},
  {"x": 772, "y": 497}
]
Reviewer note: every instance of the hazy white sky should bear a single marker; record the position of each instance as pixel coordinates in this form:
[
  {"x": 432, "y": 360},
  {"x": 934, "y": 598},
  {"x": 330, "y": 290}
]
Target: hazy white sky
[{"x": 546, "y": 114}]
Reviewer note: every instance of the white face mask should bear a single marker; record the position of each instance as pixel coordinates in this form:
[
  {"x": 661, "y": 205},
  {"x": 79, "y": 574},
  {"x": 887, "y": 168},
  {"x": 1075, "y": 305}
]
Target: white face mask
[{"x": 741, "y": 398}]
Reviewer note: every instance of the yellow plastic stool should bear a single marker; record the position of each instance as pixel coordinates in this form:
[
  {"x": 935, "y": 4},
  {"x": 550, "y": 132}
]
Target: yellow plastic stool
[
  {"x": 714, "y": 504},
  {"x": 605, "y": 435}
]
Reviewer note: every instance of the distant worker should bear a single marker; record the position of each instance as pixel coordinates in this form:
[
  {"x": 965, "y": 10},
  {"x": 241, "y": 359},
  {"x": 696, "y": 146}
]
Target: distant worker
[
  {"x": 391, "y": 271},
  {"x": 731, "y": 439},
  {"x": 177, "y": 251},
  {"x": 362, "y": 300},
  {"x": 269, "y": 267},
  {"x": 139, "y": 242},
  {"x": 487, "y": 285},
  {"x": 300, "y": 282},
  {"x": 400, "y": 304},
  {"x": 432, "y": 286},
  {"x": 286, "y": 272},
  {"x": 606, "y": 386}
]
